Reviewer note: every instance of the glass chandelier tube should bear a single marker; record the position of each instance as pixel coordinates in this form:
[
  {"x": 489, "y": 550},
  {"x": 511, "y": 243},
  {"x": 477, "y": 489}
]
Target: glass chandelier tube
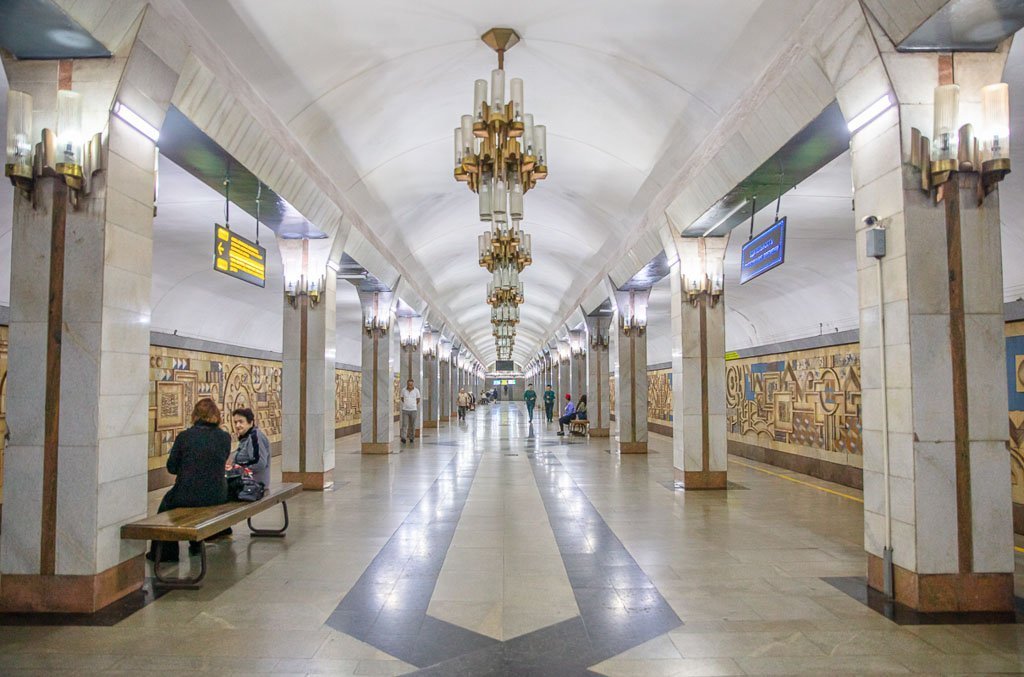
[
  {"x": 19, "y": 132},
  {"x": 995, "y": 104},
  {"x": 946, "y": 128},
  {"x": 479, "y": 99}
]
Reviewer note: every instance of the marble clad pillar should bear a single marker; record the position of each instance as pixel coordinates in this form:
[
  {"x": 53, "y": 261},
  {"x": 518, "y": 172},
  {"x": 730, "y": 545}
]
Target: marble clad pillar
[
  {"x": 78, "y": 398},
  {"x": 578, "y": 362},
  {"x": 444, "y": 380},
  {"x": 699, "y": 445},
  {"x": 456, "y": 383},
  {"x": 631, "y": 380},
  {"x": 598, "y": 366},
  {"x": 377, "y": 429},
  {"x": 431, "y": 381},
  {"x": 564, "y": 376},
  {"x": 944, "y": 401},
  {"x": 411, "y": 359},
  {"x": 307, "y": 380}
]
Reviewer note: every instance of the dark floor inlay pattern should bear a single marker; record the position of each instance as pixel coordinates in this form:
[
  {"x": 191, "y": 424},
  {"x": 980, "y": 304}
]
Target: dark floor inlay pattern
[
  {"x": 387, "y": 607},
  {"x": 857, "y": 588}
]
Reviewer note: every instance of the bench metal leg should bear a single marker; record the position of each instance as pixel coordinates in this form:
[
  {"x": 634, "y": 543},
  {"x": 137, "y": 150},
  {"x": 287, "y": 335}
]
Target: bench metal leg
[
  {"x": 193, "y": 583},
  {"x": 279, "y": 533}
]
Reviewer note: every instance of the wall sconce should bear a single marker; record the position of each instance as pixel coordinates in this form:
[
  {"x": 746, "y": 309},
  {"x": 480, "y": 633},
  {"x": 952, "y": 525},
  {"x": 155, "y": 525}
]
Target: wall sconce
[
  {"x": 410, "y": 331},
  {"x": 577, "y": 343},
  {"x": 632, "y": 306},
  {"x": 598, "y": 340},
  {"x": 310, "y": 289},
  {"x": 444, "y": 350},
  {"x": 430, "y": 339},
  {"x": 956, "y": 148},
  {"x": 377, "y": 319},
  {"x": 564, "y": 350},
  {"x": 63, "y": 154}
]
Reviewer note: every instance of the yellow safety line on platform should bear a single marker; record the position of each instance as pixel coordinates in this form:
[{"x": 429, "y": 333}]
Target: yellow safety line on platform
[
  {"x": 793, "y": 479},
  {"x": 815, "y": 486}
]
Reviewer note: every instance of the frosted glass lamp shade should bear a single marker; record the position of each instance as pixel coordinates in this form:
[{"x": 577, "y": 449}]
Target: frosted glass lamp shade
[
  {"x": 485, "y": 197},
  {"x": 459, "y": 148},
  {"x": 515, "y": 196},
  {"x": 528, "y": 134},
  {"x": 995, "y": 106},
  {"x": 515, "y": 86},
  {"x": 69, "y": 127},
  {"x": 479, "y": 98},
  {"x": 947, "y": 127},
  {"x": 467, "y": 134},
  {"x": 19, "y": 132},
  {"x": 497, "y": 89},
  {"x": 540, "y": 140}
]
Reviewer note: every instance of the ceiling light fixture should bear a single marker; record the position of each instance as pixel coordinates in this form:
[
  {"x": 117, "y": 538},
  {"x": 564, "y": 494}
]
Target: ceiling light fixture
[
  {"x": 136, "y": 121},
  {"x": 500, "y": 155},
  {"x": 870, "y": 113}
]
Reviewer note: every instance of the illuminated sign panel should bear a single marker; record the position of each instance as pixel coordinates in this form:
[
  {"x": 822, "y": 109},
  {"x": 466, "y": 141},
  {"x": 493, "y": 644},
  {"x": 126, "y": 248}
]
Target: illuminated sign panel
[
  {"x": 766, "y": 251},
  {"x": 238, "y": 257}
]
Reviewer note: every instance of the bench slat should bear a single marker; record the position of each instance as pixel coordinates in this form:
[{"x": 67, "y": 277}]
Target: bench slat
[{"x": 196, "y": 524}]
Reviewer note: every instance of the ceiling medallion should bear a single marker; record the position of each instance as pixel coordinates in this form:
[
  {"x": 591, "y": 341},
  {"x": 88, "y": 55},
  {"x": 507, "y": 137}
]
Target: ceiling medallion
[{"x": 500, "y": 155}]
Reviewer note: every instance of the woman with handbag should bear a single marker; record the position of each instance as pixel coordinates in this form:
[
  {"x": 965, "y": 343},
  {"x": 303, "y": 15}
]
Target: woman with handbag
[
  {"x": 197, "y": 461},
  {"x": 253, "y": 451}
]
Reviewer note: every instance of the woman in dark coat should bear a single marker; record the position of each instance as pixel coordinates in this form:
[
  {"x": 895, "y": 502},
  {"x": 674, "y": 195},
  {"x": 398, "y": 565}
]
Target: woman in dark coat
[{"x": 197, "y": 460}]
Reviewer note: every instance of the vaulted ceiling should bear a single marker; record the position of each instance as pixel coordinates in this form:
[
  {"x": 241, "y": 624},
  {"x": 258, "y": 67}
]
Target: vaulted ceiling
[{"x": 373, "y": 90}]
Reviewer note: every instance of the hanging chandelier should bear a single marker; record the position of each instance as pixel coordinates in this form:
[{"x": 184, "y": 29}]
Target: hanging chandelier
[{"x": 500, "y": 155}]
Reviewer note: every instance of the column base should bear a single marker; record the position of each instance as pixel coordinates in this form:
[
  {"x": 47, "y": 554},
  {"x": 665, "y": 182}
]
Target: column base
[
  {"x": 695, "y": 480},
  {"x": 310, "y": 481},
  {"x": 379, "y": 448},
  {"x": 932, "y": 593},
  {"x": 36, "y": 593},
  {"x": 600, "y": 432},
  {"x": 632, "y": 447},
  {"x": 430, "y": 424}
]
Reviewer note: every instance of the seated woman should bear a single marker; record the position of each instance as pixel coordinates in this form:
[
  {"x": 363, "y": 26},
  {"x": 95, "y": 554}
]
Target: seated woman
[
  {"x": 253, "y": 450},
  {"x": 197, "y": 460},
  {"x": 580, "y": 412}
]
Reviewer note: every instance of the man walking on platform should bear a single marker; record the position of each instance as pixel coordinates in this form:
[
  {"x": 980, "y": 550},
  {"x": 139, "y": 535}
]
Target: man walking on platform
[
  {"x": 549, "y": 403},
  {"x": 531, "y": 400},
  {"x": 410, "y": 408}
]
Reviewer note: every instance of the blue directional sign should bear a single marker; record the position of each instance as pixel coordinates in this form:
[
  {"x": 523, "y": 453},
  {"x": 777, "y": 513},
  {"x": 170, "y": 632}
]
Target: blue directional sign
[{"x": 764, "y": 252}]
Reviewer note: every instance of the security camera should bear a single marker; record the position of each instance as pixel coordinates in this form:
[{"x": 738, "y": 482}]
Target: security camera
[{"x": 870, "y": 220}]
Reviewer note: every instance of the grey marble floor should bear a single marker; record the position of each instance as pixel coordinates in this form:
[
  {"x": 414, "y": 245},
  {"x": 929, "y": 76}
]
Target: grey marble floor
[{"x": 491, "y": 547}]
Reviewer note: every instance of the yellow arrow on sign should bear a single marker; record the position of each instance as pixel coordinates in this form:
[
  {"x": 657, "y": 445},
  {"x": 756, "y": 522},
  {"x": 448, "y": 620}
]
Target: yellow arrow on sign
[{"x": 220, "y": 249}]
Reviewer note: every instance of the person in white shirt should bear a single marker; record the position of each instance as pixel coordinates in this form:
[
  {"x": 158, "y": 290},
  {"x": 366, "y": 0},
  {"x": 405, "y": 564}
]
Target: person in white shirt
[{"x": 410, "y": 408}]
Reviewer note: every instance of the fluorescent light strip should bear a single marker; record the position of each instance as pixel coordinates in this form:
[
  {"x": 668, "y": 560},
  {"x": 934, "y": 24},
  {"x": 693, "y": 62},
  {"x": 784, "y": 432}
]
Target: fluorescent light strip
[
  {"x": 870, "y": 113},
  {"x": 135, "y": 120}
]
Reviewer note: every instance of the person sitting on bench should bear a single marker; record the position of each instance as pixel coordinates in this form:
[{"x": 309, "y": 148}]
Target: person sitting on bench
[
  {"x": 197, "y": 460},
  {"x": 568, "y": 414}
]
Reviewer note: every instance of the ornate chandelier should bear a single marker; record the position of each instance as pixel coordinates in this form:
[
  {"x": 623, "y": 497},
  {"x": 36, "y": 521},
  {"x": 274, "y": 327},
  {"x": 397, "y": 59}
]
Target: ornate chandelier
[{"x": 500, "y": 154}]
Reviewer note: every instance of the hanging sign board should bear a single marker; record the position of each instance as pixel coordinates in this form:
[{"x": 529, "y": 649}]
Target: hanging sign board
[
  {"x": 238, "y": 257},
  {"x": 766, "y": 251}
]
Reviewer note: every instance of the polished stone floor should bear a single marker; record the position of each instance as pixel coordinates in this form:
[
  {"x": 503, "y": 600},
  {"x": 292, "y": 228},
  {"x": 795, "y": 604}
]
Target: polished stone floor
[{"x": 494, "y": 547}]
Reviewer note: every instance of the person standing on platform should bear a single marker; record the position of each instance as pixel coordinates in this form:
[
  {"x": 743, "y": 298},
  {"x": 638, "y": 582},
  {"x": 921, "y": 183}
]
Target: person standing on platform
[
  {"x": 463, "y": 402},
  {"x": 531, "y": 400},
  {"x": 549, "y": 403},
  {"x": 410, "y": 408}
]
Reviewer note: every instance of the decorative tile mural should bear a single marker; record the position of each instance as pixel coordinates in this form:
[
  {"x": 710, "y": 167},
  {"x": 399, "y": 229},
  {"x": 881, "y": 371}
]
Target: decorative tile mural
[
  {"x": 178, "y": 378},
  {"x": 347, "y": 404},
  {"x": 659, "y": 397},
  {"x": 803, "y": 402},
  {"x": 1015, "y": 383}
]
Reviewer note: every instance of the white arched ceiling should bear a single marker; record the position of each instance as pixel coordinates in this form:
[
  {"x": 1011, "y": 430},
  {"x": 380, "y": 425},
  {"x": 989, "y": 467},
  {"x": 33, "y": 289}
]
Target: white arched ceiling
[
  {"x": 191, "y": 298},
  {"x": 374, "y": 89}
]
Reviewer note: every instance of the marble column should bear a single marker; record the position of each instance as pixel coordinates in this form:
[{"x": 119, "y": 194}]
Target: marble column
[
  {"x": 78, "y": 388},
  {"x": 932, "y": 347},
  {"x": 631, "y": 380},
  {"x": 444, "y": 389},
  {"x": 307, "y": 379},
  {"x": 699, "y": 445},
  {"x": 456, "y": 383},
  {"x": 598, "y": 366},
  {"x": 564, "y": 375},
  {"x": 412, "y": 369},
  {"x": 377, "y": 428},
  {"x": 431, "y": 388}
]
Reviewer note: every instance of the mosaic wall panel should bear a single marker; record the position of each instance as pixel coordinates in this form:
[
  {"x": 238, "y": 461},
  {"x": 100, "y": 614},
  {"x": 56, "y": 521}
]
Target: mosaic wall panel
[
  {"x": 347, "y": 400},
  {"x": 178, "y": 378},
  {"x": 1015, "y": 383},
  {"x": 805, "y": 402},
  {"x": 659, "y": 396}
]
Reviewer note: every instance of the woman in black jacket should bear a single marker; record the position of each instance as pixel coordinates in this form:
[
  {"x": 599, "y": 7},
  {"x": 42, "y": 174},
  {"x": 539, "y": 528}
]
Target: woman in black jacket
[{"x": 197, "y": 460}]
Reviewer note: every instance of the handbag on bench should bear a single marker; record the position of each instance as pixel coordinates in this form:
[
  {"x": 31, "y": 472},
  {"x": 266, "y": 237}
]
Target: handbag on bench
[{"x": 252, "y": 490}]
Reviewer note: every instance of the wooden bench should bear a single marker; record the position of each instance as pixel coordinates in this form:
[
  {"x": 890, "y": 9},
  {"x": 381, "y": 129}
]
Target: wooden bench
[
  {"x": 198, "y": 524},
  {"x": 579, "y": 426}
]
